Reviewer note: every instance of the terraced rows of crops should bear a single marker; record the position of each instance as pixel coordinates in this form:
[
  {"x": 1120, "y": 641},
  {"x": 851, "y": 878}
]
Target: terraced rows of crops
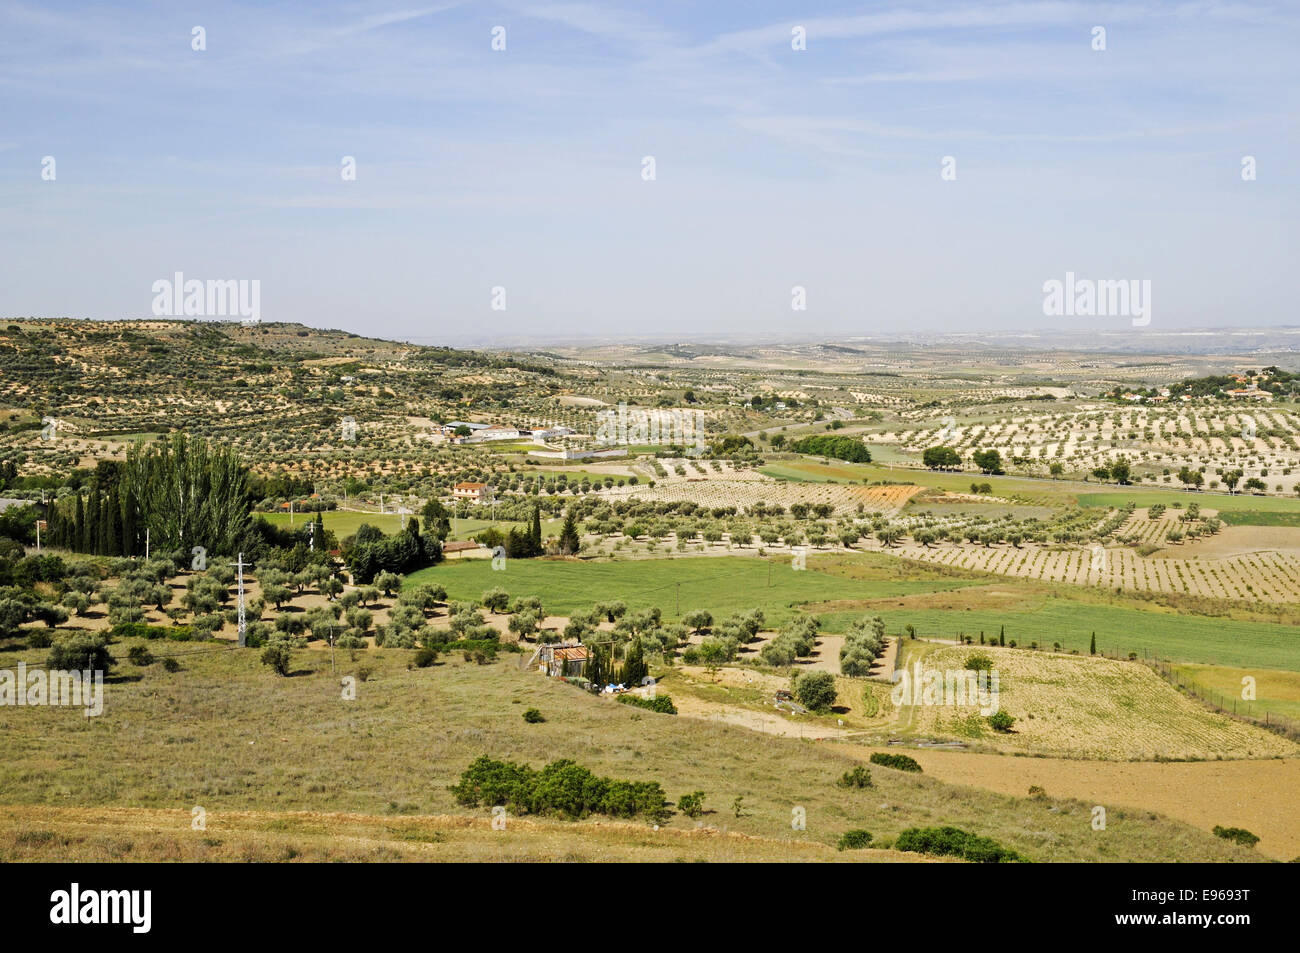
[{"x": 1266, "y": 577}]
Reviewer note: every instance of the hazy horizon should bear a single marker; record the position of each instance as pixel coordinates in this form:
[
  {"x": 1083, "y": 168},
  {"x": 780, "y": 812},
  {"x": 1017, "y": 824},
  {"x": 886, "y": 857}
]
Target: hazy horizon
[{"x": 522, "y": 169}]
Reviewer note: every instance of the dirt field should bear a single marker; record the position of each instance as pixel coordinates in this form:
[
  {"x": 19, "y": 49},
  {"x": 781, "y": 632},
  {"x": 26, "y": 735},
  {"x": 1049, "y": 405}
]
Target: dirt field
[{"x": 1257, "y": 795}]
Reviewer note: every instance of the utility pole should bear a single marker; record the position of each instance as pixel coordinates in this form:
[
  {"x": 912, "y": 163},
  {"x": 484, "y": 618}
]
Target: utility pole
[
  {"x": 243, "y": 625},
  {"x": 311, "y": 536},
  {"x": 291, "y": 512},
  {"x": 38, "y": 532},
  {"x": 146, "y": 543},
  {"x": 679, "y": 599}
]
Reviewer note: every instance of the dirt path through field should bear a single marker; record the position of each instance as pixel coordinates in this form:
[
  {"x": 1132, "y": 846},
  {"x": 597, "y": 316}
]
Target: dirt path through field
[{"x": 1257, "y": 795}]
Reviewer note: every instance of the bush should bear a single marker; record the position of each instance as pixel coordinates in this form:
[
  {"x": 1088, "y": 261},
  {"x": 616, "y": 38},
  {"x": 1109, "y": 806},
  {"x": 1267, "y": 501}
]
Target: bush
[
  {"x": 854, "y": 840},
  {"x": 815, "y": 690},
  {"x": 1001, "y": 721},
  {"x": 692, "y": 805},
  {"x": 859, "y": 777},
  {"x": 660, "y": 703},
  {"x": 561, "y": 788},
  {"x": 953, "y": 842},
  {"x": 79, "y": 652},
  {"x": 425, "y": 656},
  {"x": 139, "y": 655},
  {"x": 39, "y": 639},
  {"x": 899, "y": 762},
  {"x": 276, "y": 654},
  {"x": 533, "y": 716},
  {"x": 1238, "y": 835},
  {"x": 979, "y": 662},
  {"x": 171, "y": 665}
]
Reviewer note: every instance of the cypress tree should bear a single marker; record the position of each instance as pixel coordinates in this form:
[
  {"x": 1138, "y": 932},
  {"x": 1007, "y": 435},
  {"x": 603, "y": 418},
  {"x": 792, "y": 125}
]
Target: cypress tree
[
  {"x": 114, "y": 524},
  {"x": 92, "y": 522},
  {"x": 78, "y": 541},
  {"x": 569, "y": 541},
  {"x": 105, "y": 523},
  {"x": 535, "y": 532},
  {"x": 52, "y": 526},
  {"x": 128, "y": 527},
  {"x": 1092, "y": 648}
]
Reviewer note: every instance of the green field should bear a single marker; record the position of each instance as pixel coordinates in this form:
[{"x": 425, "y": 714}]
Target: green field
[
  {"x": 340, "y": 522},
  {"x": 1120, "y": 630},
  {"x": 1224, "y": 503},
  {"x": 1261, "y": 517},
  {"x": 1041, "y": 491},
  {"x": 345, "y": 522},
  {"x": 722, "y": 585}
]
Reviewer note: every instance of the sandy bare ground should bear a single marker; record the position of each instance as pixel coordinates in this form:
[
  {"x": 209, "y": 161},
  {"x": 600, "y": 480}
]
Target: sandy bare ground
[
  {"x": 769, "y": 723},
  {"x": 1257, "y": 795}
]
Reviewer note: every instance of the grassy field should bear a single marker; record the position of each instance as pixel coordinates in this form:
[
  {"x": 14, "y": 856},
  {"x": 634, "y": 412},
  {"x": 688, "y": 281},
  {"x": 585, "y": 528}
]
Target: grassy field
[
  {"x": 340, "y": 522},
  {"x": 1261, "y": 517},
  {"x": 722, "y": 585},
  {"x": 227, "y": 735},
  {"x": 1120, "y": 630},
  {"x": 1085, "y": 707},
  {"x": 1276, "y": 692},
  {"x": 842, "y": 588},
  {"x": 1223, "y": 502},
  {"x": 1041, "y": 491}
]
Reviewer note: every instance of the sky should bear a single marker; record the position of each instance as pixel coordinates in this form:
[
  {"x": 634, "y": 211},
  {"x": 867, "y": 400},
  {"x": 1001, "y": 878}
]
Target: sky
[{"x": 916, "y": 166}]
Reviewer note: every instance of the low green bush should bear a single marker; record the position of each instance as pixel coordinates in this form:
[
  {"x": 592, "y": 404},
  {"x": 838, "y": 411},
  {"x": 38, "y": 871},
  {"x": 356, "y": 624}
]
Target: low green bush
[
  {"x": 562, "y": 788},
  {"x": 1238, "y": 835},
  {"x": 660, "y": 703},
  {"x": 900, "y": 762},
  {"x": 854, "y": 840},
  {"x": 954, "y": 842},
  {"x": 859, "y": 777}
]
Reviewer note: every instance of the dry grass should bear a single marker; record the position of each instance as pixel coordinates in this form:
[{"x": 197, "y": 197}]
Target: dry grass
[
  {"x": 227, "y": 735},
  {"x": 1085, "y": 707}
]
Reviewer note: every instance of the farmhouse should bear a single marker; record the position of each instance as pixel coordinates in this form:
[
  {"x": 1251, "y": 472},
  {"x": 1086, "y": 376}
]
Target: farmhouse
[
  {"x": 566, "y": 659},
  {"x": 494, "y": 432},
  {"x": 475, "y": 492}
]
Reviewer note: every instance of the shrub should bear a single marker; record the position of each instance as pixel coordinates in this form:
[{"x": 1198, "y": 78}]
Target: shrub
[
  {"x": 854, "y": 840},
  {"x": 1001, "y": 721},
  {"x": 979, "y": 662},
  {"x": 79, "y": 652},
  {"x": 692, "y": 805},
  {"x": 953, "y": 842},
  {"x": 276, "y": 654},
  {"x": 1238, "y": 835},
  {"x": 815, "y": 690},
  {"x": 660, "y": 703},
  {"x": 900, "y": 762},
  {"x": 39, "y": 639},
  {"x": 562, "y": 788},
  {"x": 425, "y": 656},
  {"x": 171, "y": 665},
  {"x": 533, "y": 716},
  {"x": 139, "y": 655},
  {"x": 859, "y": 777}
]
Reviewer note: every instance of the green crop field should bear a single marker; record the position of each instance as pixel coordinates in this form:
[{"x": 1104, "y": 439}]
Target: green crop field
[
  {"x": 340, "y": 522},
  {"x": 722, "y": 585},
  {"x": 1120, "y": 630},
  {"x": 1261, "y": 517},
  {"x": 1223, "y": 502},
  {"x": 725, "y": 585}
]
